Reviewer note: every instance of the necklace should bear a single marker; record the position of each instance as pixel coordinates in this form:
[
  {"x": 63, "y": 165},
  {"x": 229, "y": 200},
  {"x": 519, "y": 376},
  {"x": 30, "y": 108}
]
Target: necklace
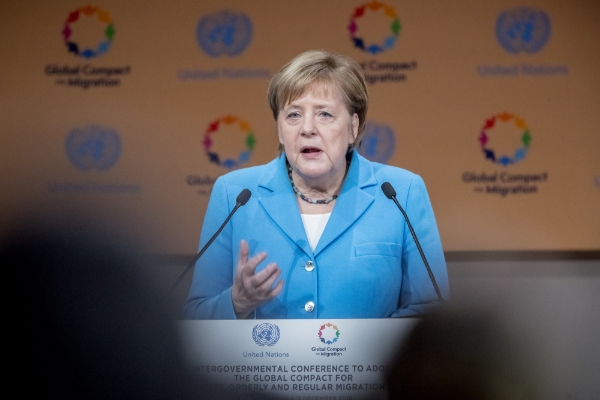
[{"x": 308, "y": 199}]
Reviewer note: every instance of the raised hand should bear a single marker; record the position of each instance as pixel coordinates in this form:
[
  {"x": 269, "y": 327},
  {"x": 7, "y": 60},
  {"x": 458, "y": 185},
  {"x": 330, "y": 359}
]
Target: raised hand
[{"x": 250, "y": 288}]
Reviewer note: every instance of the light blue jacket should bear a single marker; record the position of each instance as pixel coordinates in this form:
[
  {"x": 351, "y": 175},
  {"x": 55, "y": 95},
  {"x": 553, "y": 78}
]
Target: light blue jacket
[{"x": 366, "y": 262}]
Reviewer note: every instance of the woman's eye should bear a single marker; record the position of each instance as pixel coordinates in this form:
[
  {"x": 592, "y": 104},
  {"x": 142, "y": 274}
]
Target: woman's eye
[
  {"x": 325, "y": 114},
  {"x": 293, "y": 115}
]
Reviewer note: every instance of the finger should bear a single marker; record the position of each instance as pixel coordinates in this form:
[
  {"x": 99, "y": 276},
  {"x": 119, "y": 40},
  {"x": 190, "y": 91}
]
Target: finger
[
  {"x": 267, "y": 285},
  {"x": 244, "y": 251},
  {"x": 260, "y": 279},
  {"x": 252, "y": 263},
  {"x": 262, "y": 276},
  {"x": 275, "y": 292}
]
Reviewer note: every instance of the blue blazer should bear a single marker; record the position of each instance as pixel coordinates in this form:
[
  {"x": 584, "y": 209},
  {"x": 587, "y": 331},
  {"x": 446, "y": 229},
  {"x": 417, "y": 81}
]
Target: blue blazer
[{"x": 366, "y": 262}]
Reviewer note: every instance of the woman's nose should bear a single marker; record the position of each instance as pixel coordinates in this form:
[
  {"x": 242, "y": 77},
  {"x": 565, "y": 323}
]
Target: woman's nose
[{"x": 308, "y": 127}]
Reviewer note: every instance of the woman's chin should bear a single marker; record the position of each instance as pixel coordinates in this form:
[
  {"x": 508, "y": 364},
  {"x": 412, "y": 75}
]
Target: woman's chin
[{"x": 314, "y": 173}]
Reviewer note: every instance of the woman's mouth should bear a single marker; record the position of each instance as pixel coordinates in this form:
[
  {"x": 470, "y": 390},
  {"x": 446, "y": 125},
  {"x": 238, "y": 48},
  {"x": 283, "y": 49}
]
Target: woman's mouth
[{"x": 310, "y": 150}]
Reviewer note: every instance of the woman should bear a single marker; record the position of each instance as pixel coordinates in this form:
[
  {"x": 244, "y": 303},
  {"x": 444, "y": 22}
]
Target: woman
[{"x": 324, "y": 239}]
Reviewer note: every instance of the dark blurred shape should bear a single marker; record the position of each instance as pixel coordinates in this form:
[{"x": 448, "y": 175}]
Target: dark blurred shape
[
  {"x": 84, "y": 322},
  {"x": 462, "y": 354}
]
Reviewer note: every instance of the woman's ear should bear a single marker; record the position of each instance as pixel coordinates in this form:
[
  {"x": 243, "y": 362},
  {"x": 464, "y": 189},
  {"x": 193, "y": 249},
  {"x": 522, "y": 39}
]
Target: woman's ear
[
  {"x": 354, "y": 123},
  {"x": 279, "y": 135}
]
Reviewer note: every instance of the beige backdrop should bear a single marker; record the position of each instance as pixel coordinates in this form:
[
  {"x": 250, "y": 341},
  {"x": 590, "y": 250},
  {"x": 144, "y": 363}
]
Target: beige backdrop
[{"x": 453, "y": 74}]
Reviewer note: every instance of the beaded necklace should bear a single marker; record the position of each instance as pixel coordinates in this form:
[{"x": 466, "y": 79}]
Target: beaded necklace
[{"x": 308, "y": 199}]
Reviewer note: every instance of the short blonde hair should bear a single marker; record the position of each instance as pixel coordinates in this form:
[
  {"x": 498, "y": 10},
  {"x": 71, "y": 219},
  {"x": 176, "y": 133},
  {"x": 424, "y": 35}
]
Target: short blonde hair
[{"x": 320, "y": 66}]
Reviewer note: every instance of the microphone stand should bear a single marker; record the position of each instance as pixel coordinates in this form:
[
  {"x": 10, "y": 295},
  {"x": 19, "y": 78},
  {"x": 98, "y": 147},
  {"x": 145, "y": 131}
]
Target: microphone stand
[
  {"x": 390, "y": 193},
  {"x": 241, "y": 200}
]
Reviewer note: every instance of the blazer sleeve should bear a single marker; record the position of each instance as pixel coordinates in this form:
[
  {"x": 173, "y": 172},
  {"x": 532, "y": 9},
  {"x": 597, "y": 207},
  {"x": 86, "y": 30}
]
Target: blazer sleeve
[
  {"x": 210, "y": 292},
  {"x": 417, "y": 294}
]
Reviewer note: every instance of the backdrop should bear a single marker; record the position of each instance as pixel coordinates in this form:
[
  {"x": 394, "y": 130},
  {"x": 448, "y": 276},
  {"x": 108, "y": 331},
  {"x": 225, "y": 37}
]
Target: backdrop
[{"x": 135, "y": 108}]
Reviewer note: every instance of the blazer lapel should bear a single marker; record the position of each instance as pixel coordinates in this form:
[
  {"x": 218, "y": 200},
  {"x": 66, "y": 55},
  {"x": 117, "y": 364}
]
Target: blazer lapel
[
  {"x": 352, "y": 202},
  {"x": 279, "y": 201}
]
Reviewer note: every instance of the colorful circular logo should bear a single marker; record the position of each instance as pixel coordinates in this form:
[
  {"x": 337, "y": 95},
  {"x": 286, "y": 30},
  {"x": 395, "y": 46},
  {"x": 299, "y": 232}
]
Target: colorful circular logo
[
  {"x": 240, "y": 127},
  {"x": 266, "y": 334},
  {"x": 224, "y": 33},
  {"x": 329, "y": 333},
  {"x": 71, "y": 25},
  {"x": 523, "y": 29},
  {"x": 385, "y": 41},
  {"x": 93, "y": 147},
  {"x": 517, "y": 129},
  {"x": 378, "y": 142}
]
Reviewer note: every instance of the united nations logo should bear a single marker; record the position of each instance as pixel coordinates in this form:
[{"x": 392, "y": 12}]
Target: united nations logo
[
  {"x": 523, "y": 29},
  {"x": 378, "y": 142},
  {"x": 224, "y": 33},
  {"x": 93, "y": 147},
  {"x": 265, "y": 334}
]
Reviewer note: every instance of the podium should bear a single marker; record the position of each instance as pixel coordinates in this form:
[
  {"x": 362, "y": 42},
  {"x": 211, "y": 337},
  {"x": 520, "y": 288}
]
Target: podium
[{"x": 295, "y": 359}]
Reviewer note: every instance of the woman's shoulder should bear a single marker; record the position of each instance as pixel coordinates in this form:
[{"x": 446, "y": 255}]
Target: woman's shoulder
[
  {"x": 402, "y": 180},
  {"x": 385, "y": 172}
]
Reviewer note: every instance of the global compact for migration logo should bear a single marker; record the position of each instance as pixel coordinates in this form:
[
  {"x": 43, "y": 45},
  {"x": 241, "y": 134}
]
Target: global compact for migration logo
[
  {"x": 329, "y": 338},
  {"x": 242, "y": 135},
  {"x": 388, "y": 41},
  {"x": 223, "y": 35},
  {"x": 328, "y": 335},
  {"x": 523, "y": 31},
  {"x": 520, "y": 148},
  {"x": 505, "y": 140},
  {"x": 73, "y": 21},
  {"x": 88, "y": 33},
  {"x": 93, "y": 149},
  {"x": 374, "y": 28},
  {"x": 228, "y": 142},
  {"x": 378, "y": 142}
]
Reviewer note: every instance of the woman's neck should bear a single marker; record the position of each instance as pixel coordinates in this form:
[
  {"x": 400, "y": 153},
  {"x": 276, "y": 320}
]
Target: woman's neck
[{"x": 318, "y": 189}]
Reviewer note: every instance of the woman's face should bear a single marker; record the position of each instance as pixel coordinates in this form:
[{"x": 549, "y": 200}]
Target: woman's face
[{"x": 316, "y": 130}]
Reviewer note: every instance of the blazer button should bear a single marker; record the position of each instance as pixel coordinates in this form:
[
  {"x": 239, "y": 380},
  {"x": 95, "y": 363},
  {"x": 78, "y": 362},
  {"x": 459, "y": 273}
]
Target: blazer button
[
  {"x": 309, "y": 306},
  {"x": 309, "y": 266}
]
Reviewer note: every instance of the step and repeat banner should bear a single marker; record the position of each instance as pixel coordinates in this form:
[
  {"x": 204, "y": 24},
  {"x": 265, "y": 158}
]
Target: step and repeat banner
[{"x": 133, "y": 109}]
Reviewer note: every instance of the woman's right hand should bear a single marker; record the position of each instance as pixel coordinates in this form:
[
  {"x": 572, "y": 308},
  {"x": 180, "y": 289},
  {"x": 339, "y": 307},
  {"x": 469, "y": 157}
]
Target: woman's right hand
[{"x": 250, "y": 288}]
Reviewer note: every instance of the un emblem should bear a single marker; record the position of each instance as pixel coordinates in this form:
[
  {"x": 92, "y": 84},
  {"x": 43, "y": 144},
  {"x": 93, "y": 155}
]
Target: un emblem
[
  {"x": 265, "y": 334},
  {"x": 378, "y": 142},
  {"x": 224, "y": 33},
  {"x": 93, "y": 147},
  {"x": 523, "y": 29}
]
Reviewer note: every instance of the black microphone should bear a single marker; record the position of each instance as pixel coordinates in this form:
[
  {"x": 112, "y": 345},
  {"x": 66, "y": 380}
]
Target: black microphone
[
  {"x": 390, "y": 193},
  {"x": 241, "y": 200}
]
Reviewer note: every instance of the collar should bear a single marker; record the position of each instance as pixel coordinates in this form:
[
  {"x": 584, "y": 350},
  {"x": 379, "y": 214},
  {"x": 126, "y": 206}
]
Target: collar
[{"x": 279, "y": 201}]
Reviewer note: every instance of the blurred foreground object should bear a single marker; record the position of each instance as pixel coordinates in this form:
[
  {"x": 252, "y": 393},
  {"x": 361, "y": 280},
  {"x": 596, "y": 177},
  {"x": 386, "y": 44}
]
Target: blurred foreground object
[
  {"x": 464, "y": 355},
  {"x": 85, "y": 321}
]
